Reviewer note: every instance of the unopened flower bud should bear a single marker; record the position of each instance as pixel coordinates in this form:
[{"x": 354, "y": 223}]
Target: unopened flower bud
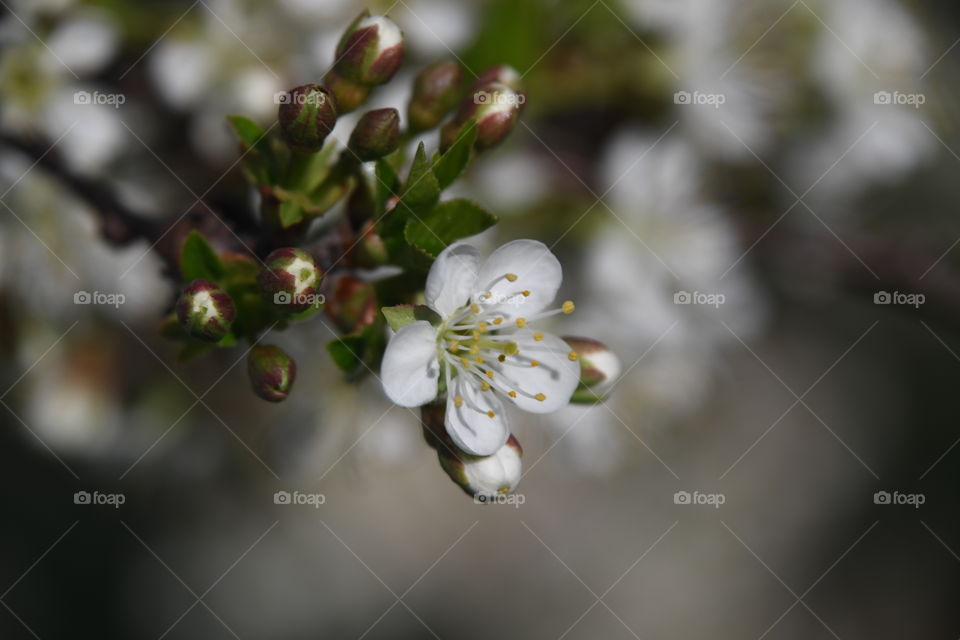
[
  {"x": 436, "y": 90},
  {"x": 349, "y": 94},
  {"x": 599, "y": 368},
  {"x": 290, "y": 279},
  {"x": 486, "y": 476},
  {"x": 504, "y": 74},
  {"x": 494, "y": 107},
  {"x": 206, "y": 311},
  {"x": 272, "y": 372},
  {"x": 377, "y": 134},
  {"x": 307, "y": 115},
  {"x": 370, "y": 50},
  {"x": 352, "y": 304}
]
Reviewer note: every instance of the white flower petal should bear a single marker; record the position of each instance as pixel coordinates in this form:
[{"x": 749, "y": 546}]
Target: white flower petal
[
  {"x": 452, "y": 278},
  {"x": 536, "y": 269},
  {"x": 556, "y": 376},
  {"x": 470, "y": 427},
  {"x": 410, "y": 370}
]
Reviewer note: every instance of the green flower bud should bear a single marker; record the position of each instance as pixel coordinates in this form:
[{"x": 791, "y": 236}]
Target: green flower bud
[
  {"x": 377, "y": 134},
  {"x": 290, "y": 280},
  {"x": 307, "y": 115},
  {"x": 494, "y": 107},
  {"x": 205, "y": 311},
  {"x": 370, "y": 50},
  {"x": 272, "y": 372},
  {"x": 436, "y": 90},
  {"x": 349, "y": 94},
  {"x": 599, "y": 369}
]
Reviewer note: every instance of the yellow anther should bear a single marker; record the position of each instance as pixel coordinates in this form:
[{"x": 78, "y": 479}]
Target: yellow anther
[
  {"x": 476, "y": 334},
  {"x": 482, "y": 327},
  {"x": 503, "y": 490},
  {"x": 489, "y": 373},
  {"x": 455, "y": 345},
  {"x": 512, "y": 394},
  {"x": 512, "y": 277},
  {"x": 521, "y": 322},
  {"x": 488, "y": 295},
  {"x": 525, "y": 293},
  {"x": 497, "y": 320},
  {"x": 568, "y": 307},
  {"x": 491, "y": 414},
  {"x": 476, "y": 308},
  {"x": 479, "y": 360},
  {"x": 475, "y": 349},
  {"x": 484, "y": 386},
  {"x": 534, "y": 363},
  {"x": 458, "y": 402},
  {"x": 540, "y": 397},
  {"x": 573, "y": 356},
  {"x": 501, "y": 357},
  {"x": 538, "y": 336},
  {"x": 464, "y": 362}
]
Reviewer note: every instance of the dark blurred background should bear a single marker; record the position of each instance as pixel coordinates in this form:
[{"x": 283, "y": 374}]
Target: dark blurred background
[{"x": 792, "y": 162}]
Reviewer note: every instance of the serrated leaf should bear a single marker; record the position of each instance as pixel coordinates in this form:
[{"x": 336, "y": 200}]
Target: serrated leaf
[
  {"x": 422, "y": 189},
  {"x": 403, "y": 314},
  {"x": 387, "y": 185},
  {"x": 199, "y": 260},
  {"x": 584, "y": 395},
  {"x": 452, "y": 163},
  {"x": 448, "y": 222},
  {"x": 246, "y": 129}
]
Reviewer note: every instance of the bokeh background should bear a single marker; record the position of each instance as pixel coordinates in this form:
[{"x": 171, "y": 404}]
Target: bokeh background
[{"x": 797, "y": 158}]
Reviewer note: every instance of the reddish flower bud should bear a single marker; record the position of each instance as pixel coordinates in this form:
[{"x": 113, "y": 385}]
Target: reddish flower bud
[
  {"x": 290, "y": 280},
  {"x": 377, "y": 134},
  {"x": 205, "y": 311},
  {"x": 352, "y": 304},
  {"x": 436, "y": 90},
  {"x": 307, "y": 115},
  {"x": 272, "y": 372},
  {"x": 494, "y": 107},
  {"x": 370, "y": 50}
]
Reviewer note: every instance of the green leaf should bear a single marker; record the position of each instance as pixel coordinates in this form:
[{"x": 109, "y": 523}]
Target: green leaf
[
  {"x": 246, "y": 129},
  {"x": 452, "y": 163},
  {"x": 403, "y": 314},
  {"x": 422, "y": 189},
  {"x": 448, "y": 222},
  {"x": 583, "y": 395},
  {"x": 198, "y": 259},
  {"x": 387, "y": 185}
]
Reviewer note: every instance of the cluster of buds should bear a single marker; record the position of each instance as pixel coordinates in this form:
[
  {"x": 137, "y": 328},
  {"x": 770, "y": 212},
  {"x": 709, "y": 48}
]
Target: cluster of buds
[
  {"x": 494, "y": 103},
  {"x": 483, "y": 477},
  {"x": 271, "y": 371},
  {"x": 206, "y": 311},
  {"x": 369, "y": 53},
  {"x": 290, "y": 280}
]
